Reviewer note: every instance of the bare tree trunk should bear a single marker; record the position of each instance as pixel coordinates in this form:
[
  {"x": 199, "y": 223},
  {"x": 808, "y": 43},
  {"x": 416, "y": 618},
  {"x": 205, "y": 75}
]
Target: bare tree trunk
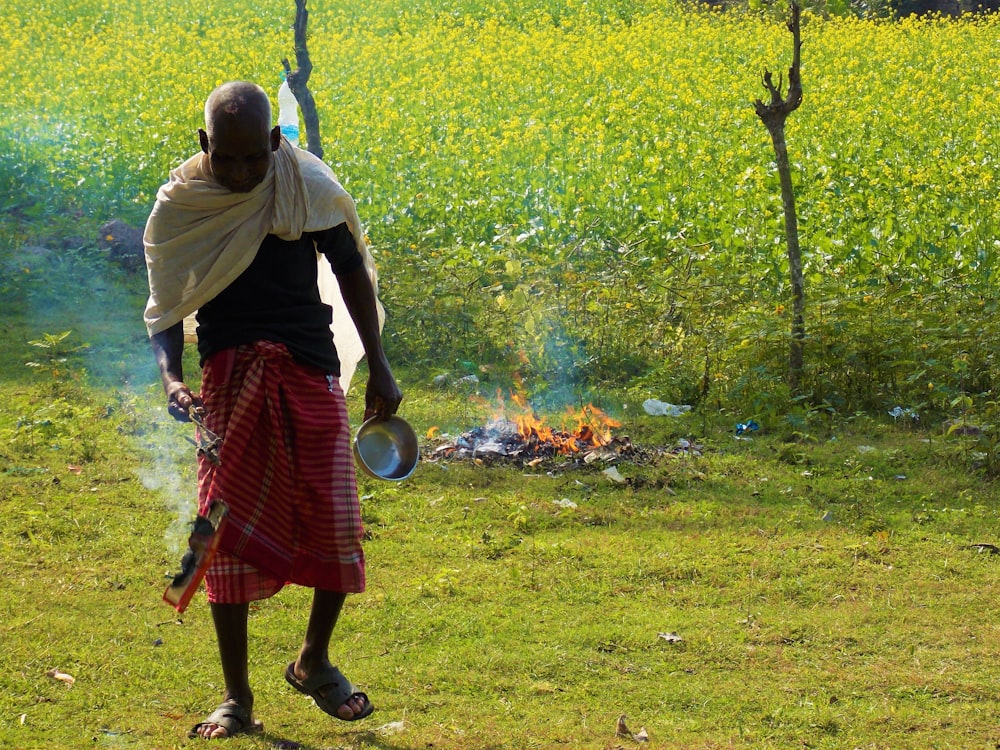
[
  {"x": 298, "y": 81},
  {"x": 773, "y": 115},
  {"x": 796, "y": 354}
]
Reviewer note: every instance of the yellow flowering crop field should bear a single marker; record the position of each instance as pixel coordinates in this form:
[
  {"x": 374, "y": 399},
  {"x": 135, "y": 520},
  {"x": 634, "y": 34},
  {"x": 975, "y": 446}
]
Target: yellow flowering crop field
[{"x": 551, "y": 172}]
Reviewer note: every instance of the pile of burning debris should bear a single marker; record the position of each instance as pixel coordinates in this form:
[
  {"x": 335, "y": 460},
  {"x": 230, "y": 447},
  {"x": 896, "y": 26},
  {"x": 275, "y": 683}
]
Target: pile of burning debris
[{"x": 526, "y": 440}]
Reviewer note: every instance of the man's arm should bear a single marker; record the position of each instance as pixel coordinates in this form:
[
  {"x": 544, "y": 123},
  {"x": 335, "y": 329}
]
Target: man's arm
[
  {"x": 382, "y": 396},
  {"x": 168, "y": 347}
]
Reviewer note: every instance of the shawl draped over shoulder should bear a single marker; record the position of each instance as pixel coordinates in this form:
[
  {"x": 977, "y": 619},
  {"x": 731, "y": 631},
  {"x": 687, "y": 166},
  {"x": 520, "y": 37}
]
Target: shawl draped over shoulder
[{"x": 201, "y": 236}]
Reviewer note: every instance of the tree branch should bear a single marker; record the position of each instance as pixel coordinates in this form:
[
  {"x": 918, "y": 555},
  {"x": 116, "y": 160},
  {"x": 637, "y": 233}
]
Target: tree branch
[
  {"x": 778, "y": 109},
  {"x": 298, "y": 80}
]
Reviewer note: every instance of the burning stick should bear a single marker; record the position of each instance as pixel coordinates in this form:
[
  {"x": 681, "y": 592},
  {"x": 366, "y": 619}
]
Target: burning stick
[
  {"x": 202, "y": 544},
  {"x": 208, "y": 442}
]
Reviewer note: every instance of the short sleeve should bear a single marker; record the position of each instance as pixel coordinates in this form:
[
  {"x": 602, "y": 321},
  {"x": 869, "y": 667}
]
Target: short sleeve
[{"x": 339, "y": 247}]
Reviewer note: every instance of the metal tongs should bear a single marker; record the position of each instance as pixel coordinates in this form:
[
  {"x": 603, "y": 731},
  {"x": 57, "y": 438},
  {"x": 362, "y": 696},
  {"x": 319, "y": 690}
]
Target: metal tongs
[{"x": 208, "y": 443}]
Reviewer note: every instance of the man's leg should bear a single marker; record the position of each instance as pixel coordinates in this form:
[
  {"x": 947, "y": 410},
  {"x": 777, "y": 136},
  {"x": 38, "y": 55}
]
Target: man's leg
[
  {"x": 315, "y": 653},
  {"x": 231, "y": 631}
]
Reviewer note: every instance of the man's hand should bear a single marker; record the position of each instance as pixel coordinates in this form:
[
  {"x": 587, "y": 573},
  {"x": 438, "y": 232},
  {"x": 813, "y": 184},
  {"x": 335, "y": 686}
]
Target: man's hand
[
  {"x": 382, "y": 395},
  {"x": 180, "y": 400}
]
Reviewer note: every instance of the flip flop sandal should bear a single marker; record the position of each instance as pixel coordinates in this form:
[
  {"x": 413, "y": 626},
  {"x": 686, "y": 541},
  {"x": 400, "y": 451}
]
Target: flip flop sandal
[
  {"x": 337, "y": 688},
  {"x": 232, "y": 717}
]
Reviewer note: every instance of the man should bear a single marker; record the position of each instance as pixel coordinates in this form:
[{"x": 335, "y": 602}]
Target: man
[{"x": 234, "y": 235}]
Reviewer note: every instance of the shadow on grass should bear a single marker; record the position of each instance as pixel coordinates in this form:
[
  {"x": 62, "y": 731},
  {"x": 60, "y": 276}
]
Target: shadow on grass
[
  {"x": 371, "y": 739},
  {"x": 363, "y": 739}
]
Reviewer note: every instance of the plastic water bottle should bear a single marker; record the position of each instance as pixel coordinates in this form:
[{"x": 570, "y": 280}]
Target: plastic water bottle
[{"x": 288, "y": 113}]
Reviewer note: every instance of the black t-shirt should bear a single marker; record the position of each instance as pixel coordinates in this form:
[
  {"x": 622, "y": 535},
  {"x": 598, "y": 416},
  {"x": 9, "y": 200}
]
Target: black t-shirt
[{"x": 276, "y": 299}]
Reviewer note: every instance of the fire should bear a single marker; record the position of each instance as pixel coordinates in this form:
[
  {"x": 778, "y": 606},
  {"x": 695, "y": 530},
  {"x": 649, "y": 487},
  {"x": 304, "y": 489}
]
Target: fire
[
  {"x": 515, "y": 432},
  {"x": 592, "y": 428}
]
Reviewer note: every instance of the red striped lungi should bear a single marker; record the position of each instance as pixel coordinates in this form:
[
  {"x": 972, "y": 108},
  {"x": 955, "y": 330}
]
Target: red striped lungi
[{"x": 286, "y": 473}]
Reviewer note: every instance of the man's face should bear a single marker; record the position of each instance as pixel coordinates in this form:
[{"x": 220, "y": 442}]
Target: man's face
[{"x": 240, "y": 151}]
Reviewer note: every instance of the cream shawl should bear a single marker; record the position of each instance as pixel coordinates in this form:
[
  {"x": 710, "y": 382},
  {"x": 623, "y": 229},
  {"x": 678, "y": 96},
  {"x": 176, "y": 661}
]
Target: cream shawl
[{"x": 201, "y": 236}]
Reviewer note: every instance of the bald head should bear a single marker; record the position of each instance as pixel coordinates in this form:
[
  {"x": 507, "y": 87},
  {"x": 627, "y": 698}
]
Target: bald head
[
  {"x": 238, "y": 101},
  {"x": 238, "y": 137}
]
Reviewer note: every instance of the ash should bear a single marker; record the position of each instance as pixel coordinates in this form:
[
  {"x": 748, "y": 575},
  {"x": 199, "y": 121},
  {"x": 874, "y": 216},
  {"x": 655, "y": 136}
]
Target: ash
[{"x": 500, "y": 442}]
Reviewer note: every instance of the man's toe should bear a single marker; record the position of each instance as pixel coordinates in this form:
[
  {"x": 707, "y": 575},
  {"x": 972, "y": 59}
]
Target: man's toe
[{"x": 353, "y": 706}]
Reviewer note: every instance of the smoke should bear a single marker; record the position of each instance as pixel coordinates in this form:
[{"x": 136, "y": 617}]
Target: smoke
[
  {"x": 562, "y": 365},
  {"x": 108, "y": 315},
  {"x": 85, "y": 315},
  {"x": 169, "y": 471},
  {"x": 167, "y": 466}
]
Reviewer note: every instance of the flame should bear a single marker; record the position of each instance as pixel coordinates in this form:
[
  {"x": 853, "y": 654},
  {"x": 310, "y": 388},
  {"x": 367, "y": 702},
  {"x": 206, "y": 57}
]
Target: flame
[{"x": 592, "y": 427}]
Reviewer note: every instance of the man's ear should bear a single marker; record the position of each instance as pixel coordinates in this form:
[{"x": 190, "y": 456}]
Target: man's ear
[
  {"x": 276, "y": 138},
  {"x": 203, "y": 137}
]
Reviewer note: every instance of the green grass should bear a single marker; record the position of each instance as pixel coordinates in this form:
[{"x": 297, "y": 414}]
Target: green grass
[{"x": 822, "y": 586}]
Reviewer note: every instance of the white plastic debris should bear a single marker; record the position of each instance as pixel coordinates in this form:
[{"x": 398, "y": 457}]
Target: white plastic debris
[
  {"x": 899, "y": 411},
  {"x": 393, "y": 727},
  {"x": 614, "y": 475},
  {"x": 656, "y": 408}
]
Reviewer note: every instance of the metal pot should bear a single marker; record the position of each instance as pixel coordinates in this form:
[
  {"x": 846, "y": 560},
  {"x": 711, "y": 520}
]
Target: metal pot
[{"x": 386, "y": 448}]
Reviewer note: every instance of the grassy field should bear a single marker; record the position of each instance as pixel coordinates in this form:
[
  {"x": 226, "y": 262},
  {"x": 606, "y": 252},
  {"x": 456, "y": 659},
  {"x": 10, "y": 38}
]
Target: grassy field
[{"x": 814, "y": 588}]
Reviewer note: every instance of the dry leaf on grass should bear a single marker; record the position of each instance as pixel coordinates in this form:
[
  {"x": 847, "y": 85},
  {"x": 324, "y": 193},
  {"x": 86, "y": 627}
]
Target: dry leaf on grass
[
  {"x": 622, "y": 729},
  {"x": 56, "y": 674}
]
